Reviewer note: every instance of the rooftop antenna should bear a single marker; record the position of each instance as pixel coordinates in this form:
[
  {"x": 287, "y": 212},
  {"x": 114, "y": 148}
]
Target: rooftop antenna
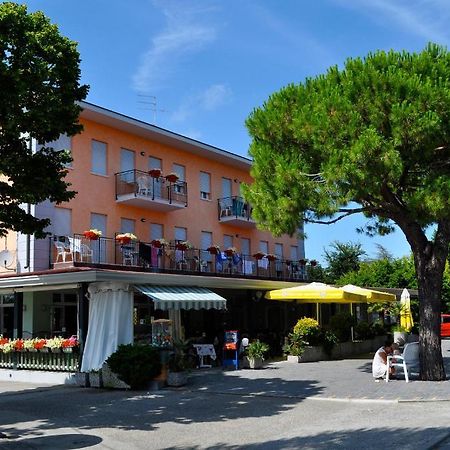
[{"x": 149, "y": 103}]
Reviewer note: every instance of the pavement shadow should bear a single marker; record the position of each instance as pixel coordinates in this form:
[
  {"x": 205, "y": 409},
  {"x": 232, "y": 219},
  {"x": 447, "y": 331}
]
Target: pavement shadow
[
  {"x": 375, "y": 438},
  {"x": 53, "y": 442},
  {"x": 204, "y": 401}
]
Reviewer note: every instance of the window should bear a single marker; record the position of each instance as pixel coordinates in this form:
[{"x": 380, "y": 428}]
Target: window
[
  {"x": 245, "y": 246},
  {"x": 264, "y": 246},
  {"x": 98, "y": 157},
  {"x": 227, "y": 241},
  {"x": 294, "y": 253},
  {"x": 156, "y": 231},
  {"x": 180, "y": 234},
  {"x": 127, "y": 226},
  {"x": 62, "y": 222},
  {"x": 205, "y": 186},
  {"x": 127, "y": 164},
  {"x": 279, "y": 250},
  {"x": 64, "y": 142},
  {"x": 98, "y": 222},
  {"x": 226, "y": 188},
  {"x": 99, "y": 251},
  {"x": 154, "y": 163},
  {"x": 180, "y": 171}
]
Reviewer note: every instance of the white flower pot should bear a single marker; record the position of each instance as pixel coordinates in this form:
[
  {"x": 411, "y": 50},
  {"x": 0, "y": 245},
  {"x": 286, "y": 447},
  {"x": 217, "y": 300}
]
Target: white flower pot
[{"x": 255, "y": 363}]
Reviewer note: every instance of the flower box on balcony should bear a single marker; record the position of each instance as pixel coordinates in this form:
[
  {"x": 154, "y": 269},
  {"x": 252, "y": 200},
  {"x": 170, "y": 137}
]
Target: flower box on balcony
[
  {"x": 313, "y": 263},
  {"x": 155, "y": 173},
  {"x": 158, "y": 243},
  {"x": 259, "y": 255},
  {"x": 213, "y": 250},
  {"x": 172, "y": 177},
  {"x": 302, "y": 262},
  {"x": 125, "y": 238},
  {"x": 92, "y": 235},
  {"x": 183, "y": 246},
  {"x": 230, "y": 251},
  {"x": 271, "y": 257}
]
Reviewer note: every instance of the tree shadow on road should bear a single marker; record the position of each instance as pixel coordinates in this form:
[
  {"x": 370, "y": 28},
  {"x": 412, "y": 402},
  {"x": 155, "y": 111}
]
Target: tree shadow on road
[{"x": 224, "y": 398}]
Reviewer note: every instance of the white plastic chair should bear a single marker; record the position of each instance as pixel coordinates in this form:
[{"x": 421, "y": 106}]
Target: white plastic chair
[
  {"x": 84, "y": 251},
  {"x": 407, "y": 361},
  {"x": 62, "y": 251},
  {"x": 143, "y": 185}
]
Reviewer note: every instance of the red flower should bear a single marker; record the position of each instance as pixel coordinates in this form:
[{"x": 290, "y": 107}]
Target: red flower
[{"x": 40, "y": 344}]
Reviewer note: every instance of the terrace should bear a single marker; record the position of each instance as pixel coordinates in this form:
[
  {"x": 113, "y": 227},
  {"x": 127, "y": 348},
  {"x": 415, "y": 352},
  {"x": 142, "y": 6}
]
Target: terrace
[{"x": 172, "y": 257}]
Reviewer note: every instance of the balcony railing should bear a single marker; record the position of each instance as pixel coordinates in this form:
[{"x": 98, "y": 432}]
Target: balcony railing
[
  {"x": 171, "y": 258},
  {"x": 138, "y": 188},
  {"x": 235, "y": 211}
]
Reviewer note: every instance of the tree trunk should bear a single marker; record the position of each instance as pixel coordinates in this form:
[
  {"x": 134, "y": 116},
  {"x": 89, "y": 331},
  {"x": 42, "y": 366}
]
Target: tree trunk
[{"x": 429, "y": 277}]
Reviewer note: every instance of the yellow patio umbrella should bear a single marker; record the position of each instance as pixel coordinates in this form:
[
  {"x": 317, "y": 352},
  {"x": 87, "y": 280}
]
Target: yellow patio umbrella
[
  {"x": 315, "y": 293},
  {"x": 406, "y": 320},
  {"x": 370, "y": 295}
]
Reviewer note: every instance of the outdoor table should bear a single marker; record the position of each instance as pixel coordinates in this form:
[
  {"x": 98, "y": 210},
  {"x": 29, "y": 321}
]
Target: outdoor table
[{"x": 205, "y": 350}]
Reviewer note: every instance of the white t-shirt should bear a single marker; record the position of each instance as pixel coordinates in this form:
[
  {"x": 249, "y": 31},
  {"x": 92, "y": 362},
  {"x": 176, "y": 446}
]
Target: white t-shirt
[{"x": 378, "y": 365}]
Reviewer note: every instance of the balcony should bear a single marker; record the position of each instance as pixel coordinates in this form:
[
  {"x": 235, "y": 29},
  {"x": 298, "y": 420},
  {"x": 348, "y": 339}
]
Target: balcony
[
  {"x": 138, "y": 188},
  {"x": 171, "y": 258},
  {"x": 235, "y": 211}
]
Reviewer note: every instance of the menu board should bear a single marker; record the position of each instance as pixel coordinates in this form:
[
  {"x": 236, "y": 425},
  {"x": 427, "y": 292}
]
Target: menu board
[{"x": 230, "y": 340}]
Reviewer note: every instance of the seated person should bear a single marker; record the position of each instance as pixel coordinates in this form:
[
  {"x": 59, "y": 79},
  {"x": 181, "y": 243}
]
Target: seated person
[{"x": 379, "y": 363}]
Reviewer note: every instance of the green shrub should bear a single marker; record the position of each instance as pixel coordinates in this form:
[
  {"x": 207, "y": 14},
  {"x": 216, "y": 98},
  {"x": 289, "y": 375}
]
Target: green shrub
[
  {"x": 363, "y": 331},
  {"x": 257, "y": 349},
  {"x": 341, "y": 325},
  {"x": 295, "y": 345},
  {"x": 136, "y": 365},
  {"x": 308, "y": 330},
  {"x": 378, "y": 328},
  {"x": 329, "y": 340}
]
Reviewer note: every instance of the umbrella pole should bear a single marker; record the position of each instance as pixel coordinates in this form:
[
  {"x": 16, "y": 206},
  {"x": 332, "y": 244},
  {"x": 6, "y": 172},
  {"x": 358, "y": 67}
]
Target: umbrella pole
[
  {"x": 317, "y": 312},
  {"x": 351, "y": 329}
]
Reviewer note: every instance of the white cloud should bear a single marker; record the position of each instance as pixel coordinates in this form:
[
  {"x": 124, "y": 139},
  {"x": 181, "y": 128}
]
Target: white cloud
[
  {"x": 425, "y": 18},
  {"x": 210, "y": 99},
  {"x": 187, "y": 31}
]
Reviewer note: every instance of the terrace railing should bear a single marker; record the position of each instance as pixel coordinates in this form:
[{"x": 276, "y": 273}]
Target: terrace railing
[
  {"x": 59, "y": 362},
  {"x": 174, "y": 258}
]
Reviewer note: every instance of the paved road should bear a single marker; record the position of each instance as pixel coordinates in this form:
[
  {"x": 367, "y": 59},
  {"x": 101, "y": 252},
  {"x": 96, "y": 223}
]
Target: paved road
[{"x": 313, "y": 406}]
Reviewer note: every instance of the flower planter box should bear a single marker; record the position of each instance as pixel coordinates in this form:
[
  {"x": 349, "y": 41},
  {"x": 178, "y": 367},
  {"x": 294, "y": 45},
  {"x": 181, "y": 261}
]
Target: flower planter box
[
  {"x": 123, "y": 241},
  {"x": 172, "y": 178},
  {"x": 111, "y": 380},
  {"x": 67, "y": 349},
  {"x": 294, "y": 359},
  {"x": 95, "y": 379},
  {"x": 155, "y": 173},
  {"x": 255, "y": 363},
  {"x": 176, "y": 379}
]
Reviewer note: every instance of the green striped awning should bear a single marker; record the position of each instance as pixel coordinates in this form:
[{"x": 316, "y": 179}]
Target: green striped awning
[{"x": 182, "y": 297}]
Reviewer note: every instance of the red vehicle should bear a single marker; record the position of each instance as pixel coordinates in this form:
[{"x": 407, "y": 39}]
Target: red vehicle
[{"x": 445, "y": 325}]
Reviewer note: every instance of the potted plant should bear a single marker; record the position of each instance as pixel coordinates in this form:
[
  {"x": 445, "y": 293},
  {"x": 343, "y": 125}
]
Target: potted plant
[
  {"x": 183, "y": 246},
  {"x": 54, "y": 344},
  {"x": 158, "y": 243},
  {"x": 400, "y": 334},
  {"x": 125, "y": 238},
  {"x": 214, "y": 249},
  {"x": 92, "y": 234},
  {"x": 271, "y": 257},
  {"x": 172, "y": 177},
  {"x": 230, "y": 251},
  {"x": 313, "y": 263},
  {"x": 294, "y": 347},
  {"x": 259, "y": 255},
  {"x": 302, "y": 262},
  {"x": 178, "y": 364},
  {"x": 69, "y": 344},
  {"x": 155, "y": 172},
  {"x": 256, "y": 351}
]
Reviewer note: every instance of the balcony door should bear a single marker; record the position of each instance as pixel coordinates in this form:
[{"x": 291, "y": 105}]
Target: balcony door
[{"x": 127, "y": 164}]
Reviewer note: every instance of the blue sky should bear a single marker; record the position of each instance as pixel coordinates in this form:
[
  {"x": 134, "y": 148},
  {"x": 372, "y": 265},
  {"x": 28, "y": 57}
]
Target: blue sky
[{"x": 210, "y": 62}]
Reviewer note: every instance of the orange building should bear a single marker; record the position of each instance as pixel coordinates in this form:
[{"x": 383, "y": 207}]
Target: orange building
[{"x": 186, "y": 226}]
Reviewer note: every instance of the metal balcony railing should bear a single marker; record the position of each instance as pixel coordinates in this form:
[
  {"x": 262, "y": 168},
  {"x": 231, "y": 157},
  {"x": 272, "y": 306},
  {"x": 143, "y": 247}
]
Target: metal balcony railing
[
  {"x": 137, "y": 183},
  {"x": 233, "y": 208},
  {"x": 172, "y": 258}
]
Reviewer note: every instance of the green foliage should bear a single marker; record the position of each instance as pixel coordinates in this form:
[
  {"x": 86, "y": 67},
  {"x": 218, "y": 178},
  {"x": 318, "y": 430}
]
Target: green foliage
[
  {"x": 329, "y": 340},
  {"x": 295, "y": 345},
  {"x": 342, "y": 258},
  {"x": 136, "y": 365},
  {"x": 341, "y": 324},
  {"x": 179, "y": 360},
  {"x": 378, "y": 328},
  {"x": 39, "y": 79},
  {"x": 257, "y": 349},
  {"x": 308, "y": 330},
  {"x": 363, "y": 331}
]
